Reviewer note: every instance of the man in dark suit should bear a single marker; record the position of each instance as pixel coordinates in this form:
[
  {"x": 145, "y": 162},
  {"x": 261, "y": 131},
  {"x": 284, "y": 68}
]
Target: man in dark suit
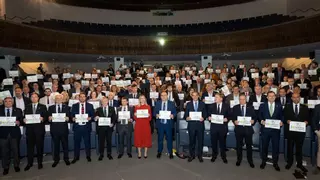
[
  {"x": 305, "y": 91},
  {"x": 19, "y": 100},
  {"x": 164, "y": 125},
  {"x": 195, "y": 125},
  {"x": 295, "y": 112},
  {"x": 198, "y": 85},
  {"x": 283, "y": 98},
  {"x": 82, "y": 126},
  {"x": 134, "y": 94},
  {"x": 316, "y": 129},
  {"x": 125, "y": 128},
  {"x": 209, "y": 94},
  {"x": 267, "y": 112},
  {"x": 256, "y": 99},
  {"x": 218, "y": 129},
  {"x": 111, "y": 101},
  {"x": 10, "y": 135},
  {"x": 172, "y": 95},
  {"x": 59, "y": 130},
  {"x": 244, "y": 130},
  {"x": 76, "y": 89},
  {"x": 279, "y": 73},
  {"x": 35, "y": 131},
  {"x": 104, "y": 131},
  {"x": 152, "y": 103}
]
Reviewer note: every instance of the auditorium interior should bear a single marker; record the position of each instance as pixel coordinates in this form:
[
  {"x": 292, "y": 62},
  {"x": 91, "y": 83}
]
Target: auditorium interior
[{"x": 129, "y": 54}]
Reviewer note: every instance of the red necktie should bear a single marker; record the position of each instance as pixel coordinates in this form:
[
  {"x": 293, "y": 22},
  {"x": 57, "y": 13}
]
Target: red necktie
[{"x": 82, "y": 109}]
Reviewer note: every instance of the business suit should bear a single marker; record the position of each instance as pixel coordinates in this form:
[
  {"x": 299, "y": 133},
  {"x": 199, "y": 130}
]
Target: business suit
[
  {"x": 10, "y": 138},
  {"x": 304, "y": 92},
  {"x": 244, "y": 132},
  {"x": 295, "y": 138},
  {"x": 35, "y": 132},
  {"x": 82, "y": 130},
  {"x": 219, "y": 131},
  {"x": 165, "y": 125},
  {"x": 47, "y": 101},
  {"x": 125, "y": 130},
  {"x": 198, "y": 86},
  {"x": 105, "y": 132},
  {"x": 268, "y": 133},
  {"x": 59, "y": 132},
  {"x": 285, "y": 101},
  {"x": 316, "y": 127},
  {"x": 195, "y": 128},
  {"x": 113, "y": 103},
  {"x": 25, "y": 100}
]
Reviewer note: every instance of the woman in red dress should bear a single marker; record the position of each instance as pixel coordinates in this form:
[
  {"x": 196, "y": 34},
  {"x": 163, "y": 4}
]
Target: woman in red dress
[{"x": 142, "y": 131}]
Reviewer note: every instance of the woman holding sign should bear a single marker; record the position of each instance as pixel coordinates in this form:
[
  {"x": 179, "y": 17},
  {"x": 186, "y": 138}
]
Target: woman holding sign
[{"x": 142, "y": 135}]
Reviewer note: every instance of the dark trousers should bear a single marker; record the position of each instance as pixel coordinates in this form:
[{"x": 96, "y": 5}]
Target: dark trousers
[
  {"x": 57, "y": 138},
  {"x": 296, "y": 141},
  {"x": 165, "y": 129},
  {"x": 125, "y": 132},
  {"x": 274, "y": 136},
  {"x": 8, "y": 147},
  {"x": 196, "y": 133},
  {"x": 81, "y": 133},
  {"x": 240, "y": 136},
  {"x": 35, "y": 139},
  {"x": 152, "y": 122},
  {"x": 218, "y": 134},
  {"x": 105, "y": 135}
]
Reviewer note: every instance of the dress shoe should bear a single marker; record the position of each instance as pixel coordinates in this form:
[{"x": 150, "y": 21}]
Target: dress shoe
[
  {"x": 200, "y": 159},
  {"x": 276, "y": 167},
  {"x": 55, "y": 164},
  {"x": 67, "y": 162},
  {"x": 17, "y": 169},
  {"x": 145, "y": 157},
  {"x": 302, "y": 168},
  {"x": 120, "y": 156},
  {"x": 159, "y": 155},
  {"x": 100, "y": 158},
  {"x": 27, "y": 167},
  {"x": 129, "y": 155},
  {"x": 190, "y": 159},
  {"x": 251, "y": 164},
  {"x": 263, "y": 165},
  {"x": 74, "y": 160},
  {"x": 88, "y": 159},
  {"x": 171, "y": 156},
  {"x": 5, "y": 172},
  {"x": 139, "y": 157},
  {"x": 40, "y": 166},
  {"x": 238, "y": 163},
  {"x": 213, "y": 159},
  {"x": 225, "y": 160},
  {"x": 288, "y": 166},
  {"x": 110, "y": 157}
]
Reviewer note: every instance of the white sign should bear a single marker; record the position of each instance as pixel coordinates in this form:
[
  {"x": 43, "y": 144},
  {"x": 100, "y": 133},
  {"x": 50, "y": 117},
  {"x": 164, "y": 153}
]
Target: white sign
[
  {"x": 274, "y": 65},
  {"x": 14, "y": 73},
  {"x": 313, "y": 103},
  {"x": 154, "y": 95},
  {"x": 128, "y": 76},
  {"x": 8, "y": 82},
  {"x": 32, "y": 78},
  {"x": 54, "y": 76},
  {"x": 270, "y": 75},
  {"x": 81, "y": 118},
  {"x": 256, "y": 105},
  {"x": 58, "y": 117},
  {"x": 142, "y": 113},
  {"x": 7, "y": 121},
  {"x": 172, "y": 71},
  {"x": 168, "y": 79},
  {"x": 303, "y": 86},
  {"x": 284, "y": 84},
  {"x": 95, "y": 104},
  {"x": 181, "y": 96},
  {"x": 312, "y": 72},
  {"x": 217, "y": 119},
  {"x": 4, "y": 94},
  {"x": 195, "y": 116},
  {"x": 66, "y": 75},
  {"x": 244, "y": 121},
  {"x": 254, "y": 75},
  {"x": 275, "y": 90},
  {"x": 233, "y": 103},
  {"x": 105, "y": 79},
  {"x": 33, "y": 118},
  {"x": 84, "y": 83},
  {"x": 87, "y": 76},
  {"x": 297, "y": 126},
  {"x": 209, "y": 100},
  {"x": 296, "y": 76},
  {"x": 124, "y": 114},
  {"x": 72, "y": 101},
  {"x": 94, "y": 76},
  {"x": 66, "y": 87},
  {"x": 207, "y": 81},
  {"x": 104, "y": 121},
  {"x": 272, "y": 123},
  {"x": 133, "y": 101},
  {"x": 164, "y": 114}
]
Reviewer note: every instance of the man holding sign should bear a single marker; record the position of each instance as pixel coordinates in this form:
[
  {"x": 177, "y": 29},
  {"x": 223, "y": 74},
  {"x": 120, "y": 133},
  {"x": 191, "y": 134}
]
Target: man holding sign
[
  {"x": 58, "y": 117},
  {"x": 83, "y": 114},
  {"x": 165, "y": 111},
  {"x": 195, "y": 114},
  {"x": 10, "y": 119},
  {"x": 35, "y": 117},
  {"x": 296, "y": 116},
  {"x": 219, "y": 114},
  {"x": 271, "y": 117},
  {"x": 244, "y": 118},
  {"x": 106, "y": 119}
]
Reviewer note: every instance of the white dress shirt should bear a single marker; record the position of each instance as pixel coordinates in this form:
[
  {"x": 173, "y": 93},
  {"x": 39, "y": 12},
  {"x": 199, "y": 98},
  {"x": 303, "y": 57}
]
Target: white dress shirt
[{"x": 20, "y": 103}]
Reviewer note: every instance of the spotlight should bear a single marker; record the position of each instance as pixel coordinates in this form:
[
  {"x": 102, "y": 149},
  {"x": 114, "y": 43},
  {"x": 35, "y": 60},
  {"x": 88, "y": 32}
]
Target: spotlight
[{"x": 162, "y": 42}]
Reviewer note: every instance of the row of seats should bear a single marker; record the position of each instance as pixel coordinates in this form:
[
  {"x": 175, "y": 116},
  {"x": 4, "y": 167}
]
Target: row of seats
[
  {"x": 182, "y": 140},
  {"x": 152, "y": 30}
]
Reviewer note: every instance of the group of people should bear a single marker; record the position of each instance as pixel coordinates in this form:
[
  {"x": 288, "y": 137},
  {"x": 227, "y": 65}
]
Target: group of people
[{"x": 134, "y": 100}]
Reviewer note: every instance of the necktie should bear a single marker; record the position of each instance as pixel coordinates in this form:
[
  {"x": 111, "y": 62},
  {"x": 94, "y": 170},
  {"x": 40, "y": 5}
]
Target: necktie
[
  {"x": 196, "y": 106},
  {"x": 82, "y": 109},
  {"x": 218, "y": 110},
  {"x": 48, "y": 102},
  {"x": 134, "y": 95},
  {"x": 59, "y": 108},
  {"x": 170, "y": 96},
  {"x": 164, "y": 106},
  {"x": 242, "y": 110},
  {"x": 111, "y": 103},
  {"x": 271, "y": 109},
  {"x": 8, "y": 112},
  {"x": 282, "y": 102},
  {"x": 34, "y": 109},
  {"x": 104, "y": 111},
  {"x": 296, "y": 110}
]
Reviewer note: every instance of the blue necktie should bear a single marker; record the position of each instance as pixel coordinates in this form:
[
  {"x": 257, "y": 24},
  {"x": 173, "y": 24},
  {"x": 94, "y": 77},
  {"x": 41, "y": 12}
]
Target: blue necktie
[
  {"x": 296, "y": 110},
  {"x": 242, "y": 110},
  {"x": 196, "y": 106},
  {"x": 8, "y": 112}
]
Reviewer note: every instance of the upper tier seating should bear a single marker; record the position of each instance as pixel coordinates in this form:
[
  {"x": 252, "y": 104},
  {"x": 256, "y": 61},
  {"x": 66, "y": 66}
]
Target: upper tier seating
[{"x": 152, "y": 30}]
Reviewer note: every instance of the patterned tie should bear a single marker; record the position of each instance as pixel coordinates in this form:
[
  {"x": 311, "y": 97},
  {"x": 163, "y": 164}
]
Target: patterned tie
[
  {"x": 82, "y": 109},
  {"x": 59, "y": 108}
]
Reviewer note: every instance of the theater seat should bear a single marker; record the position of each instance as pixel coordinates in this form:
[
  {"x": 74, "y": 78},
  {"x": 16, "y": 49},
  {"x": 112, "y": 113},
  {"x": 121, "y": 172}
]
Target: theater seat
[
  {"x": 207, "y": 136},
  {"x": 231, "y": 138},
  {"x": 23, "y": 142}
]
